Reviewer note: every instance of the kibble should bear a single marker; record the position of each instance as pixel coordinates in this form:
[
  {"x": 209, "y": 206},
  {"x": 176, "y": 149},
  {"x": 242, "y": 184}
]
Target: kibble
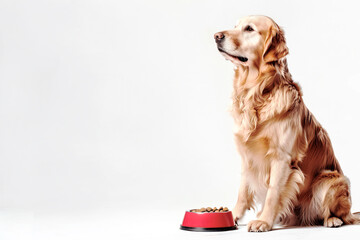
[{"x": 210, "y": 210}]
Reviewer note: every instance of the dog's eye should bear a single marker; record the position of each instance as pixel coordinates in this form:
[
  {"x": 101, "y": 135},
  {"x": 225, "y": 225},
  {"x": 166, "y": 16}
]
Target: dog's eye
[{"x": 249, "y": 28}]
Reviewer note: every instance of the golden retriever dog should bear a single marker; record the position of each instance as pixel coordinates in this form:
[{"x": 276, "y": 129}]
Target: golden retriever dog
[{"x": 288, "y": 163}]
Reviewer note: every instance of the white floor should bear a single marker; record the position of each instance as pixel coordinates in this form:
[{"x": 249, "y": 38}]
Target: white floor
[{"x": 132, "y": 224}]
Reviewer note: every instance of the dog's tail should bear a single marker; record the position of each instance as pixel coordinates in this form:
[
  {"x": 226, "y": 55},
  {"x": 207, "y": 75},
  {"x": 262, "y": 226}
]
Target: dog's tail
[{"x": 352, "y": 218}]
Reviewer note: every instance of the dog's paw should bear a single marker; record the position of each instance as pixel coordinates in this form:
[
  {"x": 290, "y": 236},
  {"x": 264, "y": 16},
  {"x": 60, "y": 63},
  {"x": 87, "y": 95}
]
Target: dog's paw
[
  {"x": 333, "y": 222},
  {"x": 236, "y": 219},
  {"x": 237, "y": 215},
  {"x": 258, "y": 226}
]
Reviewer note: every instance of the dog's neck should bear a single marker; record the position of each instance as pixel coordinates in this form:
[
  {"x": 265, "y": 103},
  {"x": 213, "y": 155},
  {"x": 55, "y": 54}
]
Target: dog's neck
[
  {"x": 246, "y": 76},
  {"x": 250, "y": 77}
]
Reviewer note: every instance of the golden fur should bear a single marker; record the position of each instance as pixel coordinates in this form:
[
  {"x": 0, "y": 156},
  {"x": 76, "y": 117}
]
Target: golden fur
[{"x": 288, "y": 164}]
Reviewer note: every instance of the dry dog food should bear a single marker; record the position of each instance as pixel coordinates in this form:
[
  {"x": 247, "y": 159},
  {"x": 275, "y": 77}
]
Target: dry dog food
[{"x": 209, "y": 209}]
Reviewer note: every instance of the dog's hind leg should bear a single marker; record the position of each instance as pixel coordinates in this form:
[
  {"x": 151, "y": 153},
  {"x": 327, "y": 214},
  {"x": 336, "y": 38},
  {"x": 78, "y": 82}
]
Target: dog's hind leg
[{"x": 334, "y": 190}]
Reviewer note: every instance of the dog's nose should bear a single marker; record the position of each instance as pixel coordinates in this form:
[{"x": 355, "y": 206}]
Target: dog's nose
[{"x": 219, "y": 36}]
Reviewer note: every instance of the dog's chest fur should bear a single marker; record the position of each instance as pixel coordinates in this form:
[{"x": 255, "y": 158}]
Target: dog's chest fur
[
  {"x": 259, "y": 129},
  {"x": 252, "y": 109}
]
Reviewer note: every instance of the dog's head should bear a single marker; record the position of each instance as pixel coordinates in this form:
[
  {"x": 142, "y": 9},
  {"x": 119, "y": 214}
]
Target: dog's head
[{"x": 254, "y": 40}]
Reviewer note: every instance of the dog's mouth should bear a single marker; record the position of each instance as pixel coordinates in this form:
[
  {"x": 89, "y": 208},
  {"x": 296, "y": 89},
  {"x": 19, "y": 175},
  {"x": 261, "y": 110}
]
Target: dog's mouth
[{"x": 240, "y": 58}]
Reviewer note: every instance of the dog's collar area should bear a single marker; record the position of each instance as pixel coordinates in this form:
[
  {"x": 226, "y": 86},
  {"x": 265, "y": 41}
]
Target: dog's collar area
[{"x": 241, "y": 58}]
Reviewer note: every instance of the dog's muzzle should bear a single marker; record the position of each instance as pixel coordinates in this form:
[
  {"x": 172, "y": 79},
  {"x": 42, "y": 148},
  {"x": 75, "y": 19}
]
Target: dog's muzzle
[{"x": 219, "y": 37}]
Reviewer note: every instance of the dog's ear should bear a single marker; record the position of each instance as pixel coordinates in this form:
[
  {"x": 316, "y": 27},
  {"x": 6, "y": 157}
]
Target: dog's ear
[{"x": 275, "y": 45}]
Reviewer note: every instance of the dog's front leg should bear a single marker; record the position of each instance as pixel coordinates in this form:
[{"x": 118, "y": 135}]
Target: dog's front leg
[
  {"x": 244, "y": 201},
  {"x": 279, "y": 175}
]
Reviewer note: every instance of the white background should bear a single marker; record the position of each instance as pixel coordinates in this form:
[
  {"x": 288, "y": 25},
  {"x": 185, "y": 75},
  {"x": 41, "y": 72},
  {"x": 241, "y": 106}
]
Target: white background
[{"x": 114, "y": 115}]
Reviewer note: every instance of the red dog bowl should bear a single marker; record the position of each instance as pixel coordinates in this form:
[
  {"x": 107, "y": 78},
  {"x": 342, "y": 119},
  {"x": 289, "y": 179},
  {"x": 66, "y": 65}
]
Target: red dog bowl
[{"x": 208, "y": 221}]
